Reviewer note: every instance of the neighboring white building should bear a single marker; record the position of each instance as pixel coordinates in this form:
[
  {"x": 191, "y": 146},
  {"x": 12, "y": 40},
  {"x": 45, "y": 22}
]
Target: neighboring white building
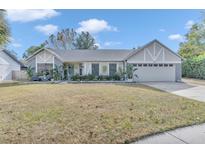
[
  {"x": 8, "y": 63},
  {"x": 152, "y": 62}
]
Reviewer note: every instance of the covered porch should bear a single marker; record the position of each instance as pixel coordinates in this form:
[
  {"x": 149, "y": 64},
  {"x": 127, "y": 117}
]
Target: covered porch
[{"x": 74, "y": 68}]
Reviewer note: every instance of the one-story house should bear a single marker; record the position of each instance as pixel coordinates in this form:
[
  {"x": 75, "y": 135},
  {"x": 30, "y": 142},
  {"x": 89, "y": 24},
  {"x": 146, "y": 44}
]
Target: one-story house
[
  {"x": 8, "y": 64},
  {"x": 152, "y": 62}
]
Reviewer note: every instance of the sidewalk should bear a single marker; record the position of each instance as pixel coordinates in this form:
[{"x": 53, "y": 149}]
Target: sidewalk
[
  {"x": 194, "y": 81},
  {"x": 187, "y": 135}
]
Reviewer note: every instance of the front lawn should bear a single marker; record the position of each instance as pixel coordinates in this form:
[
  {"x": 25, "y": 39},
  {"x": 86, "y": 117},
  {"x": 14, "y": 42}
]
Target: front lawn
[{"x": 90, "y": 113}]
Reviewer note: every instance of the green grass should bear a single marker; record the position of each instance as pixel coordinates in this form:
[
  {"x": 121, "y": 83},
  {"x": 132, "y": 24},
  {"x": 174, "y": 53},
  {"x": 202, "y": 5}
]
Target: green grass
[{"x": 91, "y": 113}]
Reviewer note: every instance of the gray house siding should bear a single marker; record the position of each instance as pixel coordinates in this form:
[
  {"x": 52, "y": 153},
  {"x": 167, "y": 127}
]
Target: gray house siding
[
  {"x": 8, "y": 64},
  {"x": 32, "y": 63},
  {"x": 57, "y": 61},
  {"x": 154, "y": 61},
  {"x": 178, "y": 72}
]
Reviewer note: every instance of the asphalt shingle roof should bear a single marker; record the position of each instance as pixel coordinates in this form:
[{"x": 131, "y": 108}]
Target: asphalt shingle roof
[{"x": 93, "y": 55}]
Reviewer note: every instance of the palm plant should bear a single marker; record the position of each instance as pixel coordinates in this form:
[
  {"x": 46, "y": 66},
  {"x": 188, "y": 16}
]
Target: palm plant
[
  {"x": 29, "y": 72},
  {"x": 4, "y": 29}
]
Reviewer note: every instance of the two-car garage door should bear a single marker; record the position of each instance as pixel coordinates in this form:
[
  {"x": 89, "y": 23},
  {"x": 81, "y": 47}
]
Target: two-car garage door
[{"x": 154, "y": 72}]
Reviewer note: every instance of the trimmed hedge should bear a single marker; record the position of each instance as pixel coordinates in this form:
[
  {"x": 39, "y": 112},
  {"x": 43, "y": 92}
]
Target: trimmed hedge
[
  {"x": 95, "y": 78},
  {"x": 194, "y": 67}
]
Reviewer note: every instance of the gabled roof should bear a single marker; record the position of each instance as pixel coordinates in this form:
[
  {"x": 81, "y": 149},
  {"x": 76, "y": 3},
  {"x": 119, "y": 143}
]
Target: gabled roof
[
  {"x": 87, "y": 55},
  {"x": 12, "y": 57},
  {"x": 149, "y": 43},
  {"x": 47, "y": 49},
  {"x": 96, "y": 55},
  {"x": 93, "y": 55}
]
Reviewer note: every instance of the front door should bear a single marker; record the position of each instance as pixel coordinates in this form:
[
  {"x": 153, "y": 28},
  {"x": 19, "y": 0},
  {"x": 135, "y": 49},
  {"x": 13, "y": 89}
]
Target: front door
[{"x": 70, "y": 70}]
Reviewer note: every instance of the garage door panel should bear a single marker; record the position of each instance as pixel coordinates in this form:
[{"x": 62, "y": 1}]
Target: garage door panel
[
  {"x": 5, "y": 72},
  {"x": 155, "y": 73}
]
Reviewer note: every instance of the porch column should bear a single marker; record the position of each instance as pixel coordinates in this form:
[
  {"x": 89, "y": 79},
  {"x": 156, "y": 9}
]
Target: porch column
[
  {"x": 53, "y": 62},
  {"x": 85, "y": 71}
]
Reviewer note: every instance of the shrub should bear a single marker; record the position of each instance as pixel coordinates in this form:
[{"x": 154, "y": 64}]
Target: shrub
[
  {"x": 116, "y": 76},
  {"x": 82, "y": 77},
  {"x": 194, "y": 67},
  {"x": 65, "y": 72},
  {"x": 75, "y": 77},
  {"x": 122, "y": 73},
  {"x": 102, "y": 77},
  {"x": 29, "y": 72},
  {"x": 90, "y": 77},
  {"x": 57, "y": 73},
  {"x": 108, "y": 77},
  {"x": 129, "y": 71}
]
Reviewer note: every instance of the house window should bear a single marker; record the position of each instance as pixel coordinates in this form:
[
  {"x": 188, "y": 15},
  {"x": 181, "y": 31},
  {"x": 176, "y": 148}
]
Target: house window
[
  {"x": 165, "y": 65},
  {"x": 95, "y": 69},
  {"x": 155, "y": 65},
  {"x": 170, "y": 65},
  {"x": 44, "y": 67},
  {"x": 139, "y": 65},
  {"x": 144, "y": 65},
  {"x": 150, "y": 65},
  {"x": 112, "y": 69},
  {"x": 160, "y": 65}
]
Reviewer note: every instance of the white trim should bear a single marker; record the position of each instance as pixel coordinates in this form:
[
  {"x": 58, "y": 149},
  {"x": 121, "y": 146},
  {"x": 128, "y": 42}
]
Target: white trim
[
  {"x": 146, "y": 45},
  {"x": 108, "y": 69},
  {"x": 163, "y": 58},
  {"x": 53, "y": 62},
  {"x": 148, "y": 51},
  {"x": 85, "y": 68},
  {"x": 154, "y": 57},
  {"x": 151, "y": 62},
  {"x": 157, "y": 56},
  {"x": 36, "y": 64},
  {"x": 144, "y": 55},
  {"x": 40, "y": 50},
  {"x": 45, "y": 63}
]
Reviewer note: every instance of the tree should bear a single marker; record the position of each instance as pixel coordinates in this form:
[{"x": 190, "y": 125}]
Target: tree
[
  {"x": 129, "y": 71},
  {"x": 32, "y": 50},
  {"x": 67, "y": 39},
  {"x": 29, "y": 72},
  {"x": 4, "y": 29},
  {"x": 63, "y": 40},
  {"x": 85, "y": 41},
  {"x": 194, "y": 44}
]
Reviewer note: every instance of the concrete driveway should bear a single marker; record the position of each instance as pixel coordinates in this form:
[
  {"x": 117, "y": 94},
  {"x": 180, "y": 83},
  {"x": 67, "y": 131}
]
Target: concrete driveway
[
  {"x": 186, "y": 89},
  {"x": 192, "y": 134},
  {"x": 187, "y": 135}
]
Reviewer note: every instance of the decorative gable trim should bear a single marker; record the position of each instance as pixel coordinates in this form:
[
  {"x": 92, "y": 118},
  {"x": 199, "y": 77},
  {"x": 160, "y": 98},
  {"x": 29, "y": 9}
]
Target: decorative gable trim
[
  {"x": 44, "y": 49},
  {"x": 153, "y": 57}
]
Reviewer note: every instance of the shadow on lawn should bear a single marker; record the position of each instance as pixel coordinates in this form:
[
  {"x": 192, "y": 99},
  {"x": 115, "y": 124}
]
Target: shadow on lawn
[
  {"x": 10, "y": 84},
  {"x": 138, "y": 85}
]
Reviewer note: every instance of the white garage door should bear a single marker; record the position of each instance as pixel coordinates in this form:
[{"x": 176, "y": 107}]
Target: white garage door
[
  {"x": 3, "y": 69},
  {"x": 154, "y": 72}
]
